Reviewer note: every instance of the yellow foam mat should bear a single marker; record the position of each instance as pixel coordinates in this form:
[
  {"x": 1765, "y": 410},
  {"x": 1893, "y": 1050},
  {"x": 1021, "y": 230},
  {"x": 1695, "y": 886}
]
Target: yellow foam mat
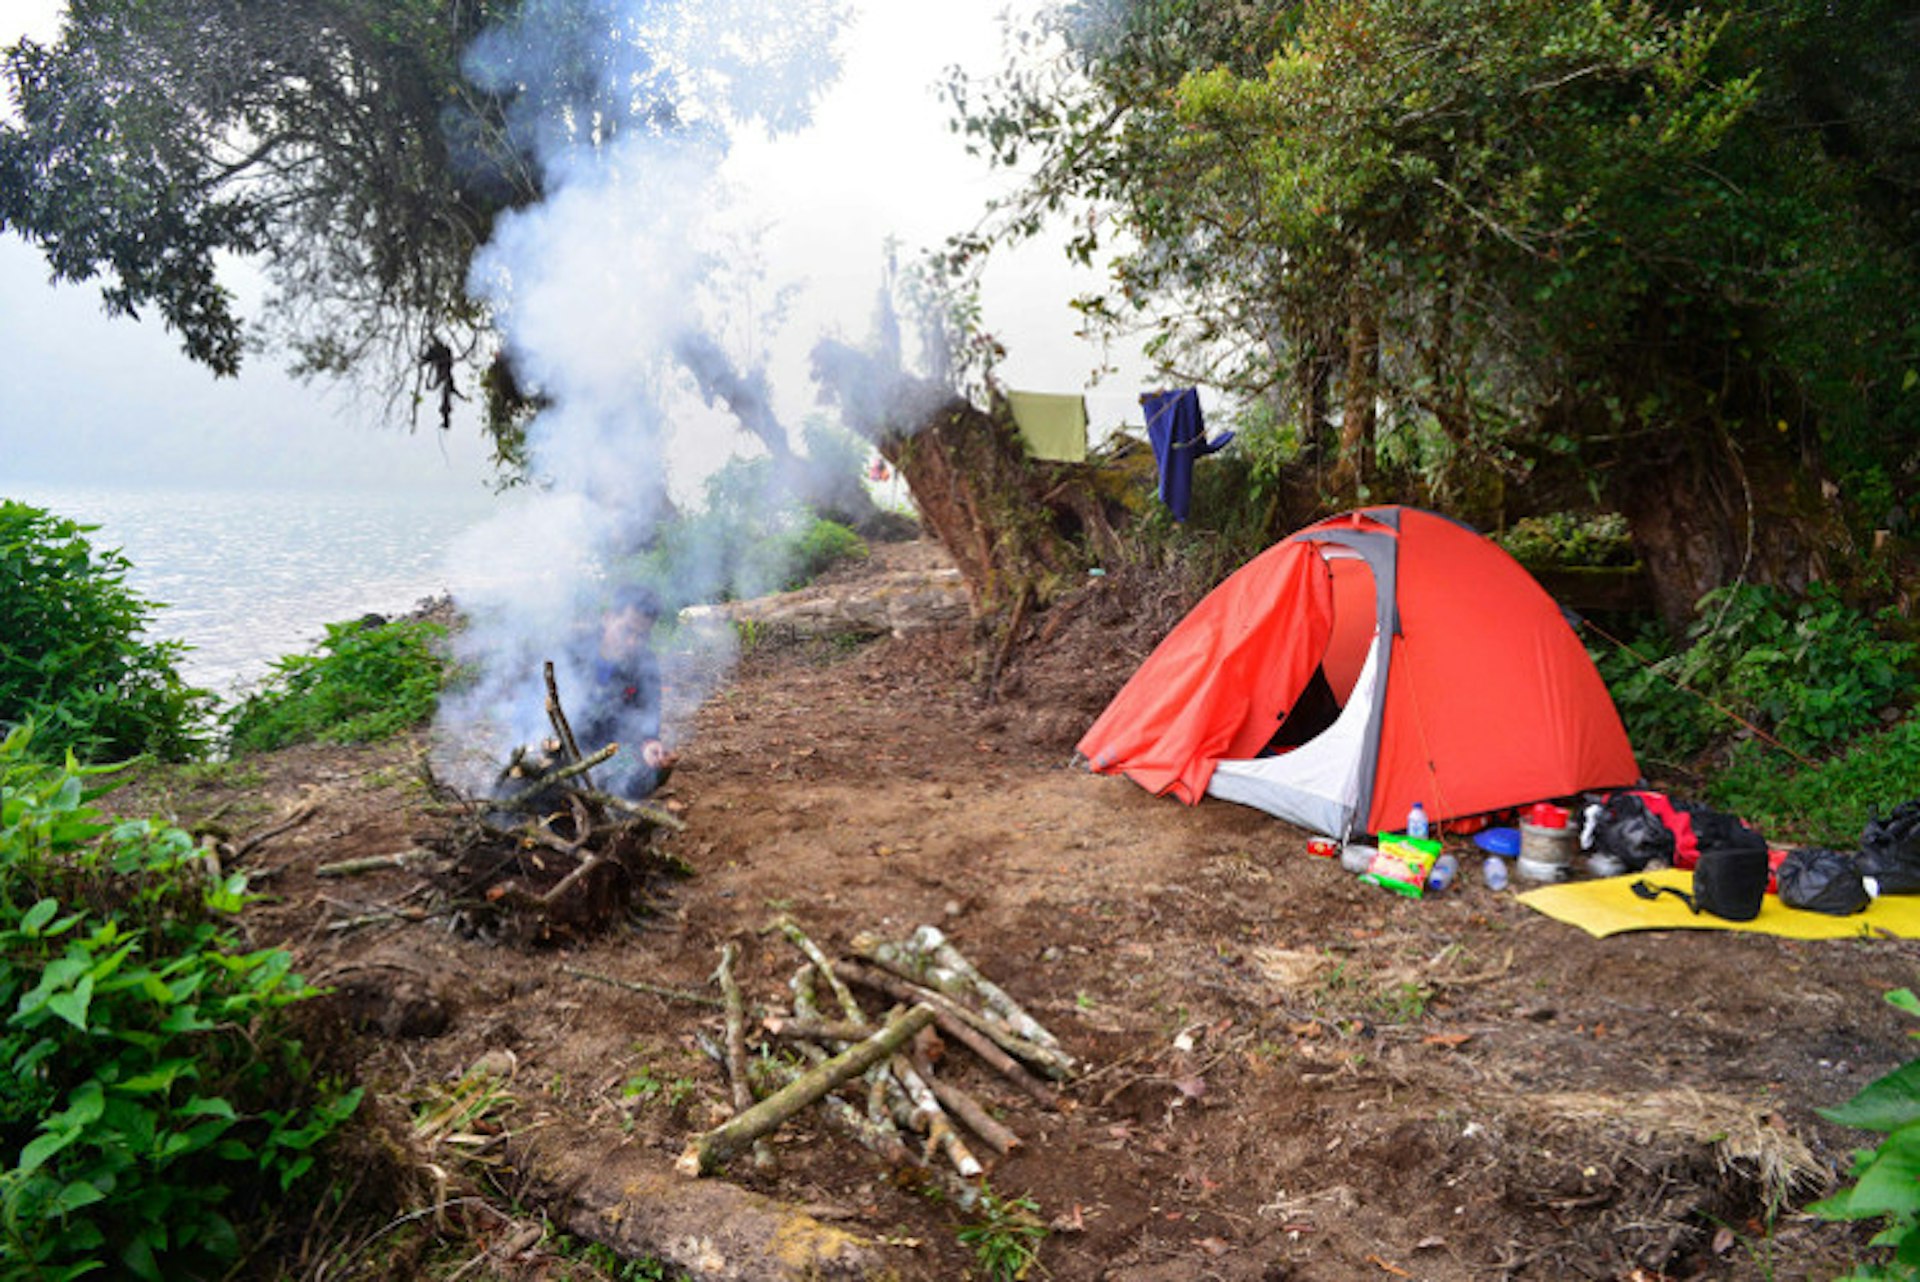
[{"x": 1608, "y": 906}]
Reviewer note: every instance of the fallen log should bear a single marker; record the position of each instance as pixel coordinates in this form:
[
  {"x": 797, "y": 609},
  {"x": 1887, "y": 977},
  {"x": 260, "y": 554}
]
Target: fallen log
[
  {"x": 622, "y": 1196},
  {"x": 707, "y": 1152}
]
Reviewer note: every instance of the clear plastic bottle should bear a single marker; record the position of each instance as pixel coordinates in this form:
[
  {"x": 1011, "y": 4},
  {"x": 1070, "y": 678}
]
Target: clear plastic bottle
[
  {"x": 1417, "y": 821},
  {"x": 1495, "y": 872},
  {"x": 1444, "y": 870}
]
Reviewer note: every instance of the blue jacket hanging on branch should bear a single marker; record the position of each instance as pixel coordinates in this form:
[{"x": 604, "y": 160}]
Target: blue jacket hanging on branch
[{"x": 1178, "y": 436}]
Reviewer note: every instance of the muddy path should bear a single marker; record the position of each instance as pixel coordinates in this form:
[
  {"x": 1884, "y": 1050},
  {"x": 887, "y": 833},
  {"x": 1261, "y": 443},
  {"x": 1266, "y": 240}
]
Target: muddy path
[{"x": 1288, "y": 1074}]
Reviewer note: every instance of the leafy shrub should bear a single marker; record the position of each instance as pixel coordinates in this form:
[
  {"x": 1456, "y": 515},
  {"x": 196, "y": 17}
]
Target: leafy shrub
[
  {"x": 1827, "y": 804},
  {"x": 1569, "y": 538},
  {"x": 1883, "y": 1185},
  {"x": 1809, "y": 670},
  {"x": 818, "y": 547},
  {"x": 361, "y": 684},
  {"x": 721, "y": 555},
  {"x": 149, "y": 1092},
  {"x": 1664, "y": 721},
  {"x": 71, "y": 656},
  {"x": 1006, "y": 1239}
]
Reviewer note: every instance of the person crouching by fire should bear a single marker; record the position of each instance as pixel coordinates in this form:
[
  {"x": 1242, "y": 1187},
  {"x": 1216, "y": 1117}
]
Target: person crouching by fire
[{"x": 621, "y": 700}]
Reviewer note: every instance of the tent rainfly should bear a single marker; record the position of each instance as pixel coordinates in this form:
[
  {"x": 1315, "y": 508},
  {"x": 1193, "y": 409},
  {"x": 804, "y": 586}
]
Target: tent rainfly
[{"x": 1375, "y": 659}]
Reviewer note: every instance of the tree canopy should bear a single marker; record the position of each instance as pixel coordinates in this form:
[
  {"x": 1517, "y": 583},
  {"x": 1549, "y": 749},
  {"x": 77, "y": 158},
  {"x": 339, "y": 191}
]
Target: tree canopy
[
  {"x": 1659, "y": 255},
  {"x": 360, "y": 150}
]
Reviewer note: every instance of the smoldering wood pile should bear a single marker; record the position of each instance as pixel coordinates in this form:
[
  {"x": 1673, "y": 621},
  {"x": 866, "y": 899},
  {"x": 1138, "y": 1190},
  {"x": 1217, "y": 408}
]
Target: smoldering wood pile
[
  {"x": 545, "y": 856},
  {"x": 889, "y": 1081}
]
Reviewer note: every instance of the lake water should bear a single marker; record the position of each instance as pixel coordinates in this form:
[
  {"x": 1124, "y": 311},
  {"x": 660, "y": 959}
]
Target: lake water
[{"x": 245, "y": 578}]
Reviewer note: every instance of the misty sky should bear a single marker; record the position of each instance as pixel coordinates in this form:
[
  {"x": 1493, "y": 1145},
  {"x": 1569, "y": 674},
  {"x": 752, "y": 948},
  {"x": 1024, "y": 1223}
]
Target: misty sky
[{"x": 85, "y": 399}]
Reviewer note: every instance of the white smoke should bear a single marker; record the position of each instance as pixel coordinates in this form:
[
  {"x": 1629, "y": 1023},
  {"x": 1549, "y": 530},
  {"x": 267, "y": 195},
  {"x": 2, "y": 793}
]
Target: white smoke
[{"x": 628, "y": 108}]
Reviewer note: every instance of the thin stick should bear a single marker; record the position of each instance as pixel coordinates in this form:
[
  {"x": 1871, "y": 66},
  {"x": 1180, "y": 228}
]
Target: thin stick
[
  {"x": 265, "y": 835},
  {"x": 558, "y": 716},
  {"x": 966, "y": 1108},
  {"x": 876, "y": 1133},
  {"x": 931, "y": 941},
  {"x": 736, "y": 1008},
  {"x": 824, "y": 968},
  {"x": 658, "y": 817},
  {"x": 372, "y": 863},
  {"x": 572, "y": 879},
  {"x": 878, "y": 1121},
  {"x": 941, "y": 1137},
  {"x": 707, "y": 1152},
  {"x": 366, "y": 919},
  {"x": 641, "y": 986},
  {"x": 954, "y": 1021},
  {"x": 560, "y": 775},
  {"x": 816, "y": 1030}
]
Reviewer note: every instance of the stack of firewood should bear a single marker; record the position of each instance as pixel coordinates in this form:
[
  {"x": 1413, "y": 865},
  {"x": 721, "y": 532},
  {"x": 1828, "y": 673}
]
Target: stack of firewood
[{"x": 876, "y": 1078}]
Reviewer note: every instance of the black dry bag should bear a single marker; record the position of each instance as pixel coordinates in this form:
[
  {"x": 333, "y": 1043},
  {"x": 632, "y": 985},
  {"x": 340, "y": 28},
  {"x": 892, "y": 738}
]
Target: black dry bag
[
  {"x": 1890, "y": 850},
  {"x": 1821, "y": 881},
  {"x": 1730, "y": 880}
]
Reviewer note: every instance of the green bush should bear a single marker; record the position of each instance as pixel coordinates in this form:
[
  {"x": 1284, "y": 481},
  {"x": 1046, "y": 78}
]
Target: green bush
[
  {"x": 1827, "y": 804},
  {"x": 361, "y": 684},
  {"x": 149, "y": 1095},
  {"x": 1569, "y": 538},
  {"x": 1809, "y": 670},
  {"x": 719, "y": 555},
  {"x": 1884, "y": 1187},
  {"x": 72, "y": 661},
  {"x": 819, "y": 546}
]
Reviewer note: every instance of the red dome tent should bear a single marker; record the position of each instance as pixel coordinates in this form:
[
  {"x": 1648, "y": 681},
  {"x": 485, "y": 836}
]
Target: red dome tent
[{"x": 1378, "y": 658}]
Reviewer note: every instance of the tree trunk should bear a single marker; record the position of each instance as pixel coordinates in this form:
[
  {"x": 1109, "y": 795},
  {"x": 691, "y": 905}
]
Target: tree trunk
[
  {"x": 1312, "y": 377},
  {"x": 1011, "y": 523},
  {"x": 1358, "y": 414},
  {"x": 1714, "y": 512}
]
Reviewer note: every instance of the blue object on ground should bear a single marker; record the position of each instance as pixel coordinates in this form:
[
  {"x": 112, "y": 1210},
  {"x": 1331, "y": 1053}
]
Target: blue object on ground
[{"x": 1498, "y": 841}]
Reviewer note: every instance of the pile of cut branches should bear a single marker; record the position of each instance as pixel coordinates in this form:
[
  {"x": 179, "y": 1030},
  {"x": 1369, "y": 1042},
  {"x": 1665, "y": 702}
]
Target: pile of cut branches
[
  {"x": 876, "y": 1078},
  {"x": 546, "y": 855}
]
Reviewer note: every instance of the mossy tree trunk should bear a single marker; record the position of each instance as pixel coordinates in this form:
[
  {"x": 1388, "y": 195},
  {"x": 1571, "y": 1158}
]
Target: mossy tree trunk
[{"x": 1019, "y": 529}]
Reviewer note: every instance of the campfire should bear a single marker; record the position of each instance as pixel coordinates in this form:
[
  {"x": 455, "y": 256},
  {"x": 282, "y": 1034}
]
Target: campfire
[{"x": 547, "y": 854}]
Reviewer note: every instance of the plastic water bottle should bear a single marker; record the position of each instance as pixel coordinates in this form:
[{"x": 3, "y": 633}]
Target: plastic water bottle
[
  {"x": 1442, "y": 874},
  {"x": 1495, "y": 871},
  {"x": 1417, "y": 822}
]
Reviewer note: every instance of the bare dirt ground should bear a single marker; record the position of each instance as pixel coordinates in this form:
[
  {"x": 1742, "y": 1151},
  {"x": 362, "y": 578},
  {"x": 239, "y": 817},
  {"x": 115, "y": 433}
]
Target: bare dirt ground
[{"x": 1288, "y": 1074}]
